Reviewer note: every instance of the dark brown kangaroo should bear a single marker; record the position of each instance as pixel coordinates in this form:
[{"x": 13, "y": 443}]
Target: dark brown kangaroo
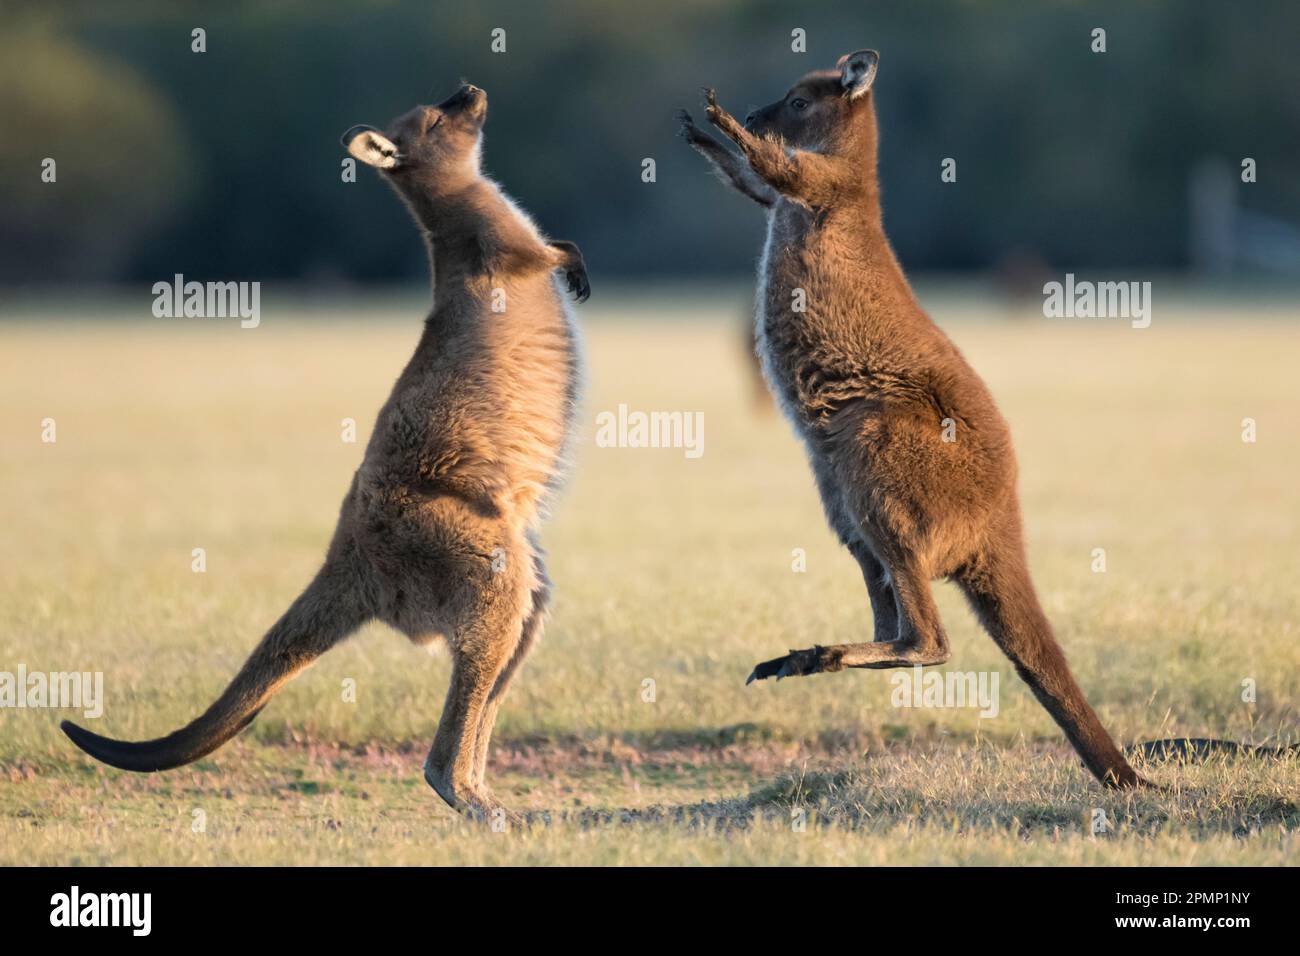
[{"x": 912, "y": 458}]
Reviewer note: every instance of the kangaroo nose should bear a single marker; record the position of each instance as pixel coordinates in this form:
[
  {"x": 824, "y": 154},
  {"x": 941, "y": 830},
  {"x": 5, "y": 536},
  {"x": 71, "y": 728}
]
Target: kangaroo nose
[{"x": 750, "y": 118}]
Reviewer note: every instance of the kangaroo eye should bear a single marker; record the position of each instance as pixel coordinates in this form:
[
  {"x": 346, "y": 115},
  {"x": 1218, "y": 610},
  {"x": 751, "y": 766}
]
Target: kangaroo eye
[{"x": 799, "y": 103}]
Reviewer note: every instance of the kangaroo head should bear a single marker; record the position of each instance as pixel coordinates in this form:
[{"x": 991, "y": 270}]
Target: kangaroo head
[
  {"x": 429, "y": 149},
  {"x": 823, "y": 107}
]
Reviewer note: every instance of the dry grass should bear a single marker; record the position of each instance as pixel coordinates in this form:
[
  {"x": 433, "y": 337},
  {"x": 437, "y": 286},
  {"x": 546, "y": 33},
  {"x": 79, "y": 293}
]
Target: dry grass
[{"x": 183, "y": 434}]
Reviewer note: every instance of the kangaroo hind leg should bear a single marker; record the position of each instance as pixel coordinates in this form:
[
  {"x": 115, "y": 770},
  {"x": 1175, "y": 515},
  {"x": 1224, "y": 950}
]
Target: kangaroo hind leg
[
  {"x": 880, "y": 588},
  {"x": 531, "y": 631},
  {"x": 920, "y": 640},
  {"x": 486, "y": 631}
]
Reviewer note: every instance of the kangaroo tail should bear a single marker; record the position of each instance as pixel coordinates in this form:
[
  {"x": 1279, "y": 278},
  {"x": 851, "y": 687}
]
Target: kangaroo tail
[
  {"x": 324, "y": 614},
  {"x": 999, "y": 588},
  {"x": 1201, "y": 748}
]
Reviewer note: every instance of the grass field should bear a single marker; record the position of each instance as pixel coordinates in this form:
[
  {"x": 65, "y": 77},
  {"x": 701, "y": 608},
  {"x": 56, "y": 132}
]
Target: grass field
[{"x": 182, "y": 434}]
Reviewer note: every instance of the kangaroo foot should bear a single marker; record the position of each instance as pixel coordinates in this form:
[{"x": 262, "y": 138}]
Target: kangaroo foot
[
  {"x": 476, "y": 803},
  {"x": 484, "y": 807},
  {"x": 814, "y": 660},
  {"x": 828, "y": 660}
]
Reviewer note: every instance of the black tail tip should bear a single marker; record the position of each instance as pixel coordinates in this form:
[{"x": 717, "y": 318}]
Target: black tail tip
[
  {"x": 74, "y": 733},
  {"x": 114, "y": 753},
  {"x": 83, "y": 738}
]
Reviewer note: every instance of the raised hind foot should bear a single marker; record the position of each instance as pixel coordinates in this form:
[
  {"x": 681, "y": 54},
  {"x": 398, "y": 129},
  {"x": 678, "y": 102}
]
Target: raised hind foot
[{"x": 828, "y": 660}]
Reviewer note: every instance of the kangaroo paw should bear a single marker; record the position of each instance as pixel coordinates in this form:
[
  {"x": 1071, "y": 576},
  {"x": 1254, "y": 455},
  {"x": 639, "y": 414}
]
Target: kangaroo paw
[
  {"x": 578, "y": 283},
  {"x": 686, "y": 127}
]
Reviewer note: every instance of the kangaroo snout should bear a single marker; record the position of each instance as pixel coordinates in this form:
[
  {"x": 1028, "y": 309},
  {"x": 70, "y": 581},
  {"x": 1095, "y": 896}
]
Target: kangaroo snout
[
  {"x": 758, "y": 120},
  {"x": 468, "y": 98}
]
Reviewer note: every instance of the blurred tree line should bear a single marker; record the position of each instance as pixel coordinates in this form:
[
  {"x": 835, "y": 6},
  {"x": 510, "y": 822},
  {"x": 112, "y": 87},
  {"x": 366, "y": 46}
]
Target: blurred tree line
[{"x": 226, "y": 164}]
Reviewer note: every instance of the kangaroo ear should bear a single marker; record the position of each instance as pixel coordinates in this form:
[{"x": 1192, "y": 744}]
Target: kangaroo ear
[
  {"x": 371, "y": 147},
  {"x": 858, "y": 71}
]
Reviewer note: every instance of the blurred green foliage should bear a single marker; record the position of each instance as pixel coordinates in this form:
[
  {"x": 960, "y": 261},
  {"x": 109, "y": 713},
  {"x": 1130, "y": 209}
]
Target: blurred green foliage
[
  {"x": 227, "y": 163},
  {"x": 120, "y": 164}
]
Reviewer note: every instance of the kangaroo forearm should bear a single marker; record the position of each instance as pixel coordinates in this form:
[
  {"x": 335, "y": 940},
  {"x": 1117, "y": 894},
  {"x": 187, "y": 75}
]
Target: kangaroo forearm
[
  {"x": 735, "y": 171},
  {"x": 805, "y": 177},
  {"x": 729, "y": 166}
]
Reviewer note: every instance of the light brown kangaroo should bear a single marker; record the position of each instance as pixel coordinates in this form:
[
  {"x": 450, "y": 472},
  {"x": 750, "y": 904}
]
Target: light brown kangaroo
[
  {"x": 437, "y": 535},
  {"x": 912, "y": 458}
]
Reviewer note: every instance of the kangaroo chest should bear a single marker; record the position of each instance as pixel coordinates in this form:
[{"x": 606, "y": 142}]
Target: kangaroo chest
[{"x": 808, "y": 361}]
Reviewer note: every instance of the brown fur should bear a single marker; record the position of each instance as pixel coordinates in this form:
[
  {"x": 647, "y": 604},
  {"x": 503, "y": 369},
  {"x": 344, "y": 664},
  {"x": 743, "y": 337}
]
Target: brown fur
[
  {"x": 868, "y": 381},
  {"x": 437, "y": 535}
]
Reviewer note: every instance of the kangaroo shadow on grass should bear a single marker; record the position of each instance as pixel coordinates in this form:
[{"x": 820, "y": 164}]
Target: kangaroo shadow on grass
[{"x": 856, "y": 799}]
